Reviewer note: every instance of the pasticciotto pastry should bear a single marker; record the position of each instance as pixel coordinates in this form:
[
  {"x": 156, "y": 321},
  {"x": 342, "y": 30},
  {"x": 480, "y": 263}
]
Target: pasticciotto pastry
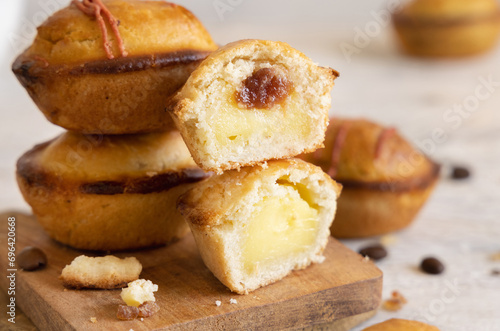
[
  {"x": 107, "y": 66},
  {"x": 254, "y": 226},
  {"x": 448, "y": 27},
  {"x": 398, "y": 324},
  {"x": 109, "y": 192},
  {"x": 251, "y": 101},
  {"x": 385, "y": 180}
]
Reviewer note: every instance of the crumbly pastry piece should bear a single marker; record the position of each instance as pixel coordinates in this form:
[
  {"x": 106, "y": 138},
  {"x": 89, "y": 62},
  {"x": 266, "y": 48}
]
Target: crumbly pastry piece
[
  {"x": 397, "y": 324},
  {"x": 88, "y": 75},
  {"x": 385, "y": 180},
  {"x": 251, "y": 101},
  {"x": 448, "y": 27},
  {"x": 138, "y": 292},
  {"x": 109, "y": 192},
  {"x": 104, "y": 272},
  {"x": 256, "y": 225}
]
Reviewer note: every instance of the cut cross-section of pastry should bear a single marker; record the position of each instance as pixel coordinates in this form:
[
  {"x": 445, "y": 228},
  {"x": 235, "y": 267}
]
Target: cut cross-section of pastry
[
  {"x": 256, "y": 225},
  {"x": 251, "y": 101}
]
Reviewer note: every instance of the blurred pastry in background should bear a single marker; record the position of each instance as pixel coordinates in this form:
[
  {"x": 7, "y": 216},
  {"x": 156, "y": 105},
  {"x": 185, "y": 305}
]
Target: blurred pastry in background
[
  {"x": 109, "y": 192},
  {"x": 106, "y": 67},
  {"x": 252, "y": 101},
  {"x": 444, "y": 28},
  {"x": 385, "y": 180}
]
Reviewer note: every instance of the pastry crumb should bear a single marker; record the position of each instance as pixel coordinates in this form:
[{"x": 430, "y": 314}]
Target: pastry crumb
[
  {"x": 233, "y": 301},
  {"x": 103, "y": 272},
  {"x": 138, "y": 292},
  {"x": 142, "y": 319},
  {"x": 140, "y": 300},
  {"x": 218, "y": 303},
  {"x": 395, "y": 303},
  {"x": 93, "y": 320}
]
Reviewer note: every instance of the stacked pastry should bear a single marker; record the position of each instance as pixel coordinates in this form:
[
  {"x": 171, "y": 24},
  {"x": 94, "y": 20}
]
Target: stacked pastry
[
  {"x": 113, "y": 180},
  {"x": 102, "y": 69},
  {"x": 244, "y": 113}
]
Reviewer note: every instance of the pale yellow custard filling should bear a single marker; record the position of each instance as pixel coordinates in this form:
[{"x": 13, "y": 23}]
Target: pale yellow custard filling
[
  {"x": 283, "y": 226},
  {"x": 238, "y": 124}
]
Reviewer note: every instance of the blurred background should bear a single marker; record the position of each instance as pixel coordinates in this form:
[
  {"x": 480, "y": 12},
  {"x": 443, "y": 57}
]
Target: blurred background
[{"x": 461, "y": 222}]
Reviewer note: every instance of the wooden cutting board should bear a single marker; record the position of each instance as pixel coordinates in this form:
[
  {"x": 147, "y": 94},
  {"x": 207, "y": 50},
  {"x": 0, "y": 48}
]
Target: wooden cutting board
[{"x": 343, "y": 291}]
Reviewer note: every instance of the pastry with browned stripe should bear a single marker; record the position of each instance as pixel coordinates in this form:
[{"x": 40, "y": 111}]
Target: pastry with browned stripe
[
  {"x": 448, "y": 28},
  {"x": 385, "y": 180},
  {"x": 109, "y": 192},
  {"x": 107, "y": 66}
]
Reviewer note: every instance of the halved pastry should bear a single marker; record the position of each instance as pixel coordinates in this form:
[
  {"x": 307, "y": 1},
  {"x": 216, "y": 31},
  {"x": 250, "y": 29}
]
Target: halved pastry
[
  {"x": 448, "y": 27},
  {"x": 251, "y": 101},
  {"x": 256, "y": 225},
  {"x": 107, "y": 66},
  {"x": 385, "y": 180},
  {"x": 109, "y": 192}
]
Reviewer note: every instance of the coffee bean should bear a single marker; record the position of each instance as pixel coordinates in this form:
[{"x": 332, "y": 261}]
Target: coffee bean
[
  {"x": 431, "y": 265},
  {"x": 374, "y": 252},
  {"x": 31, "y": 258},
  {"x": 460, "y": 173}
]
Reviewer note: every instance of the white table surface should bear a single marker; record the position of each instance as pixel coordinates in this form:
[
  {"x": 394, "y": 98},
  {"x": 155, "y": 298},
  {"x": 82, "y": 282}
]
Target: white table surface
[{"x": 461, "y": 222}]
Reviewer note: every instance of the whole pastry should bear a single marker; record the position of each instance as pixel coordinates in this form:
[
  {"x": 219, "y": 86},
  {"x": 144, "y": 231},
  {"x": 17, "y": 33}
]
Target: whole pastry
[
  {"x": 385, "y": 180},
  {"x": 107, "y": 66},
  {"x": 109, "y": 192},
  {"x": 448, "y": 27}
]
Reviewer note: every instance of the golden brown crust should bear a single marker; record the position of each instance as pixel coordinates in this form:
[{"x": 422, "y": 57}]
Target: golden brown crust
[
  {"x": 366, "y": 212},
  {"x": 397, "y": 324},
  {"x": 125, "y": 207},
  {"x": 69, "y": 77},
  {"x": 448, "y": 28},
  {"x": 69, "y": 36},
  {"x": 365, "y": 158},
  {"x": 385, "y": 180}
]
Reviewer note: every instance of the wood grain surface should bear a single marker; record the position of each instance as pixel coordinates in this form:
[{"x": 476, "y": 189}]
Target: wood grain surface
[{"x": 342, "y": 291}]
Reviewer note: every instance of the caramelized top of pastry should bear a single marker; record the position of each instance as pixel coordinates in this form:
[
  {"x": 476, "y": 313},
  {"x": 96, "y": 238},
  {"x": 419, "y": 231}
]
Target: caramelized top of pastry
[
  {"x": 72, "y": 36},
  {"x": 361, "y": 151},
  {"x": 98, "y": 157},
  {"x": 449, "y": 9}
]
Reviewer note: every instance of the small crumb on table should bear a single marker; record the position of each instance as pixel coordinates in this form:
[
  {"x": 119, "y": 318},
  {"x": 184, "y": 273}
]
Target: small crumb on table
[
  {"x": 218, "y": 303},
  {"x": 395, "y": 303},
  {"x": 93, "y": 320},
  {"x": 233, "y": 301}
]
